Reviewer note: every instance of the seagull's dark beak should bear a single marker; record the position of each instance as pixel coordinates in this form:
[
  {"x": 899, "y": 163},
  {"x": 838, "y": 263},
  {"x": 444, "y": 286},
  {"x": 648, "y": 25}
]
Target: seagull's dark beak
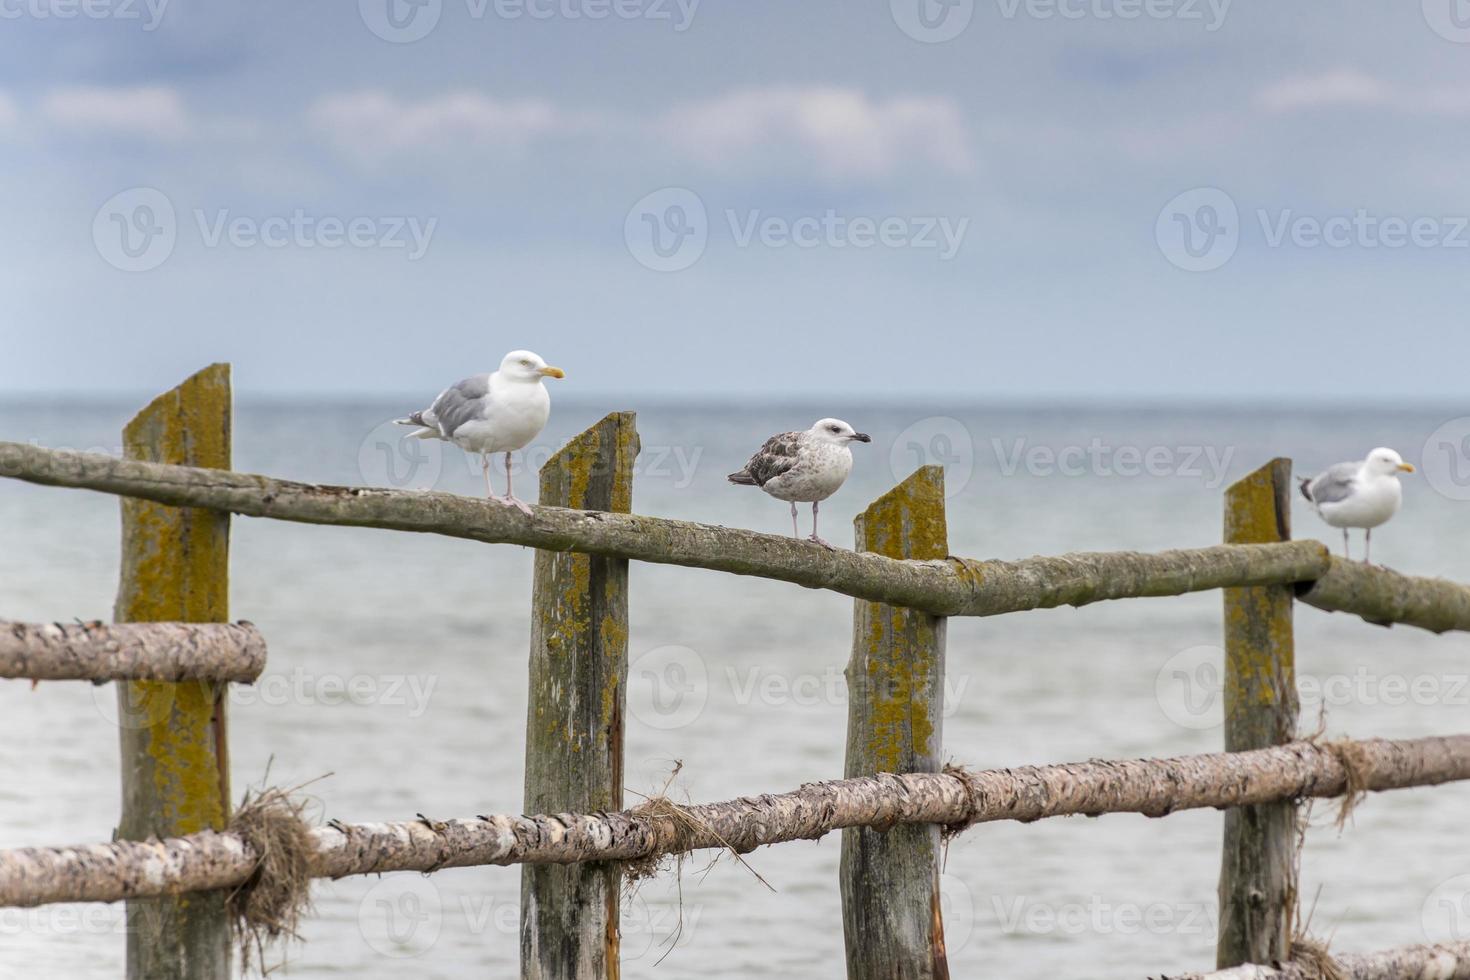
[{"x": 861, "y": 437}]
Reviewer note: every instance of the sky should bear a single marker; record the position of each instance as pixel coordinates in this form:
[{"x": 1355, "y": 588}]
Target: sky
[{"x": 978, "y": 200}]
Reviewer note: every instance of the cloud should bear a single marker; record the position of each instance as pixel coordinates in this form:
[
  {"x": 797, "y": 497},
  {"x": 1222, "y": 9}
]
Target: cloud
[
  {"x": 151, "y": 111},
  {"x": 839, "y": 130},
  {"x": 374, "y": 124},
  {"x": 1354, "y": 89}
]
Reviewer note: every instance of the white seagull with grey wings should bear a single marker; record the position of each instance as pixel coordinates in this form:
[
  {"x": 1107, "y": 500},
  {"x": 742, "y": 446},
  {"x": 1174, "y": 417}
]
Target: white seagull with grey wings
[
  {"x": 1363, "y": 494},
  {"x": 803, "y": 466},
  {"x": 492, "y": 413}
]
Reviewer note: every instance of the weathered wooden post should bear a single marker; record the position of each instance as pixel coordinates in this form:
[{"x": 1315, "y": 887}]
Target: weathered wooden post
[
  {"x": 895, "y": 682},
  {"x": 1258, "y": 887},
  {"x": 574, "y": 720},
  {"x": 175, "y": 762}
]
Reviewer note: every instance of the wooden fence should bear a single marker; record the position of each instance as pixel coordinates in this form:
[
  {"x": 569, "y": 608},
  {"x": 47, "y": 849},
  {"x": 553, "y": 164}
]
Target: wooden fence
[{"x": 181, "y": 860}]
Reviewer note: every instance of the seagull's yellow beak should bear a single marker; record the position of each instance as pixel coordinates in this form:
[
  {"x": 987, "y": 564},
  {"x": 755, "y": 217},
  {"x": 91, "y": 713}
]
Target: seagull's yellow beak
[
  {"x": 1406, "y": 467},
  {"x": 553, "y": 372}
]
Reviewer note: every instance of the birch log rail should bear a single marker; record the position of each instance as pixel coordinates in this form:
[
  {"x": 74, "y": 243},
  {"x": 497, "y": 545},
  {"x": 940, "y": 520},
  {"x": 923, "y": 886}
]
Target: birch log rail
[
  {"x": 131, "y": 651},
  {"x": 1446, "y": 961},
  {"x": 955, "y": 799},
  {"x": 951, "y": 587}
]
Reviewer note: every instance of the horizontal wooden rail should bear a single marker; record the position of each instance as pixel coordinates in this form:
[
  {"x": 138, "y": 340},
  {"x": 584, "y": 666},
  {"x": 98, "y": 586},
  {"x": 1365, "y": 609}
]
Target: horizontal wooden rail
[
  {"x": 131, "y": 651},
  {"x": 1447, "y": 961},
  {"x": 955, "y": 798},
  {"x": 952, "y": 587}
]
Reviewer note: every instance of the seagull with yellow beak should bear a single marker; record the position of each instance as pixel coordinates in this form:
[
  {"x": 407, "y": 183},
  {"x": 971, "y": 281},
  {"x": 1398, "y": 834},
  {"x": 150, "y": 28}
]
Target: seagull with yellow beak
[
  {"x": 492, "y": 413},
  {"x": 1363, "y": 494}
]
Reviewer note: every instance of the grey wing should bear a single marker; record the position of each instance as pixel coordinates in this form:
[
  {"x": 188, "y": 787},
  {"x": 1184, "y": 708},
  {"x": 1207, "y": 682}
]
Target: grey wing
[
  {"x": 460, "y": 403},
  {"x": 777, "y": 456},
  {"x": 1333, "y": 484}
]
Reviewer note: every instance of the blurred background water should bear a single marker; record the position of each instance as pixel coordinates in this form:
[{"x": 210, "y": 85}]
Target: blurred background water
[{"x": 396, "y": 685}]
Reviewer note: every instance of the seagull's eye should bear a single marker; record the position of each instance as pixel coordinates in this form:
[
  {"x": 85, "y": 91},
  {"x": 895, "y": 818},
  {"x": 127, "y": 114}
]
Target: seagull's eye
[{"x": 525, "y": 364}]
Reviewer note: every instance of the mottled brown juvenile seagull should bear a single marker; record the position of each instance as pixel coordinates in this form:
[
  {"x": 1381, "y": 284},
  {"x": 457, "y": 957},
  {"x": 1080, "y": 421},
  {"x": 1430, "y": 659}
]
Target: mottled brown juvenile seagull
[{"x": 803, "y": 466}]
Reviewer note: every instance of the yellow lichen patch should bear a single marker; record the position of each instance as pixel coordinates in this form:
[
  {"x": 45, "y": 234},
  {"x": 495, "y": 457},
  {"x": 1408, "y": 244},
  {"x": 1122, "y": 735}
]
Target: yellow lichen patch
[
  {"x": 903, "y": 648},
  {"x": 175, "y": 567}
]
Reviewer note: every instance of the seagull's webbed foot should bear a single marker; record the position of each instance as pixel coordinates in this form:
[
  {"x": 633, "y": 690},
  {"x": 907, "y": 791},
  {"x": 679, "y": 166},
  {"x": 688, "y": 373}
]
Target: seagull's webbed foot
[
  {"x": 822, "y": 541},
  {"x": 517, "y": 503}
]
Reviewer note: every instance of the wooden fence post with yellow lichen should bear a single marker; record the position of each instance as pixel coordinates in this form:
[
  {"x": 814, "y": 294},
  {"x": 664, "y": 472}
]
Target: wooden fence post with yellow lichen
[
  {"x": 574, "y": 720},
  {"x": 1258, "y": 882},
  {"x": 175, "y": 764},
  {"x": 895, "y": 682}
]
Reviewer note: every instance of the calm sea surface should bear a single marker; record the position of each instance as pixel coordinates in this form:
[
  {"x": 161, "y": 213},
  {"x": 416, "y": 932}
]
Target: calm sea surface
[{"x": 397, "y": 685}]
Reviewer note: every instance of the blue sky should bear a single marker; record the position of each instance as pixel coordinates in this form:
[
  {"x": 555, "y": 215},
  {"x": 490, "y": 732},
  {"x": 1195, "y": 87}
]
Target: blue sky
[{"x": 844, "y": 202}]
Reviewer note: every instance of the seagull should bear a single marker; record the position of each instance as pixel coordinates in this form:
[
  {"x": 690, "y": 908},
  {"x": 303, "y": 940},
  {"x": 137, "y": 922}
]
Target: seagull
[
  {"x": 492, "y": 413},
  {"x": 803, "y": 466},
  {"x": 1363, "y": 494}
]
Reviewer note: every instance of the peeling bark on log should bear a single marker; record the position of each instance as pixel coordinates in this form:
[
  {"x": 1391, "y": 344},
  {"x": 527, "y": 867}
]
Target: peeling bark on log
[
  {"x": 131, "y": 651},
  {"x": 174, "y": 758},
  {"x": 1258, "y": 878},
  {"x": 1449, "y": 961},
  {"x": 209, "y": 860},
  {"x": 891, "y": 921},
  {"x": 949, "y": 587},
  {"x": 574, "y": 716}
]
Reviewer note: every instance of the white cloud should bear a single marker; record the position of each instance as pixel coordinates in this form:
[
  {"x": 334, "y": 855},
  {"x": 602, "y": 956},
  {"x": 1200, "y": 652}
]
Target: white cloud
[
  {"x": 375, "y": 124},
  {"x": 153, "y": 111},
  {"x": 839, "y": 130},
  {"x": 1347, "y": 88}
]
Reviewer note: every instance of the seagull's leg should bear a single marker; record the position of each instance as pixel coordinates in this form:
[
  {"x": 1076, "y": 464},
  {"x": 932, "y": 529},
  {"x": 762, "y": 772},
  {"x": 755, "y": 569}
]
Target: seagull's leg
[
  {"x": 485, "y": 468},
  {"x": 814, "y": 536},
  {"x": 1367, "y": 545},
  {"x": 795, "y": 531},
  {"x": 510, "y": 497}
]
